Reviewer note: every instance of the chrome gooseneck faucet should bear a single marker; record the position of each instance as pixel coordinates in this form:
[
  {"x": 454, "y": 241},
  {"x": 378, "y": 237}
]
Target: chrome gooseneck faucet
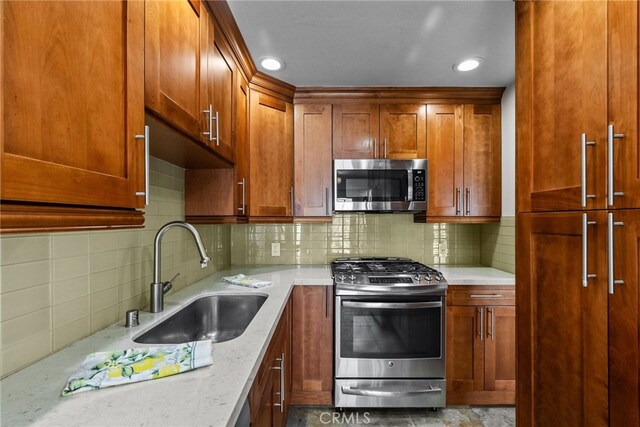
[{"x": 158, "y": 287}]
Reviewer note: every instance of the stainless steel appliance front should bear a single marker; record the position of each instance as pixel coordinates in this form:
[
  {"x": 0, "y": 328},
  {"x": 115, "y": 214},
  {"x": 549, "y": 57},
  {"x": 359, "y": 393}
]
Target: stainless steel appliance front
[{"x": 374, "y": 185}]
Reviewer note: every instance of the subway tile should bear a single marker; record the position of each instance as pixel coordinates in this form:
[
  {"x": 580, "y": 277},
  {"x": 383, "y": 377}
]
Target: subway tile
[
  {"x": 69, "y": 290},
  {"x": 103, "y": 318},
  {"x": 26, "y": 352},
  {"x": 67, "y": 334},
  {"x": 104, "y": 299},
  {"x": 22, "y": 328},
  {"x": 69, "y": 268},
  {"x": 15, "y": 250},
  {"x": 103, "y": 280},
  {"x": 25, "y": 275},
  {"x": 25, "y": 301},
  {"x": 70, "y": 311},
  {"x": 70, "y": 245},
  {"x": 103, "y": 261},
  {"x": 103, "y": 241}
]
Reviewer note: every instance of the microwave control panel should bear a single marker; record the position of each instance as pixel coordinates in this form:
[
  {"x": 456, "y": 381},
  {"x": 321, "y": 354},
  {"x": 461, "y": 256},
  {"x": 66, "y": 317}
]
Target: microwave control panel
[{"x": 419, "y": 185}]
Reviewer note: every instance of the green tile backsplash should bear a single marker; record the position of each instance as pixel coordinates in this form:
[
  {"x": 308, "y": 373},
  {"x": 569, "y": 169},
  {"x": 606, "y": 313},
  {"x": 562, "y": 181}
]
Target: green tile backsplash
[
  {"x": 356, "y": 235},
  {"x": 498, "y": 248}
]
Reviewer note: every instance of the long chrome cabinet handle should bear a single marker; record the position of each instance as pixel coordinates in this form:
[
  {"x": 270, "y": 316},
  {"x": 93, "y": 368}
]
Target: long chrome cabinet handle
[
  {"x": 485, "y": 296},
  {"x": 385, "y": 148},
  {"x": 458, "y": 203},
  {"x": 375, "y": 149},
  {"x": 490, "y": 318},
  {"x": 384, "y": 393},
  {"x": 585, "y": 250},
  {"x": 468, "y": 201},
  {"x": 392, "y": 305},
  {"x": 611, "y": 136},
  {"x": 583, "y": 172},
  {"x": 480, "y": 312},
  {"x": 217, "y": 137},
  {"x": 243, "y": 183},
  {"x": 291, "y": 199},
  {"x": 327, "y": 201},
  {"x": 611, "y": 257},
  {"x": 281, "y": 369},
  {"x": 145, "y": 193}
]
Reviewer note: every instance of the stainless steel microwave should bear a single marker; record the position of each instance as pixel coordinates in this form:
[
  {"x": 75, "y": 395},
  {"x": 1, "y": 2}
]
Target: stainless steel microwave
[{"x": 380, "y": 185}]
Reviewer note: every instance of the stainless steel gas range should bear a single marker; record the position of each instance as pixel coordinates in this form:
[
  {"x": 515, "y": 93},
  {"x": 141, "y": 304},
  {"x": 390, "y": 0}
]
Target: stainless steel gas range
[{"x": 389, "y": 333}]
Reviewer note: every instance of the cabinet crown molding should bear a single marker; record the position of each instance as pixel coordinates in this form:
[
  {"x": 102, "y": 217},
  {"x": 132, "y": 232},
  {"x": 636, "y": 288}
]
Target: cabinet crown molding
[{"x": 481, "y": 95}]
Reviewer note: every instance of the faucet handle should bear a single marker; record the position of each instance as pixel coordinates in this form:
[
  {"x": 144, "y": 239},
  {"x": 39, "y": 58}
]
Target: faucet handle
[{"x": 166, "y": 286}]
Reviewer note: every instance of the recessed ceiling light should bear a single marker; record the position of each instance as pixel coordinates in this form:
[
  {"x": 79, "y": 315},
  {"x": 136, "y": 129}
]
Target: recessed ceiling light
[
  {"x": 468, "y": 64},
  {"x": 271, "y": 63}
]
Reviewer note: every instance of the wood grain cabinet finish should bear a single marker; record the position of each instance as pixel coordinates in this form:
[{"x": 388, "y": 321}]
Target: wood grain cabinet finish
[
  {"x": 312, "y": 157},
  {"x": 574, "y": 83},
  {"x": 172, "y": 72},
  {"x": 481, "y": 346},
  {"x": 270, "y": 393},
  {"x": 356, "y": 131},
  {"x": 270, "y": 158},
  {"x": 312, "y": 343},
  {"x": 70, "y": 120},
  {"x": 241, "y": 146},
  {"x": 464, "y": 153},
  {"x": 402, "y": 131}
]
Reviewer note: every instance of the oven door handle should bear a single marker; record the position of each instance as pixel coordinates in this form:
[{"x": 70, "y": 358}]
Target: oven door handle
[
  {"x": 392, "y": 305},
  {"x": 382, "y": 393}
]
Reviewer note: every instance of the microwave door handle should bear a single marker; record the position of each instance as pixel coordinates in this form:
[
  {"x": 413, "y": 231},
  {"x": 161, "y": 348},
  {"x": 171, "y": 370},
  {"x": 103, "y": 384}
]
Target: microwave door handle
[{"x": 392, "y": 305}]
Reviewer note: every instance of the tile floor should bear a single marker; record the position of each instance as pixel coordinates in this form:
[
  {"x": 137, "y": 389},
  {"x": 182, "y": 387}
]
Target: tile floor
[{"x": 453, "y": 416}]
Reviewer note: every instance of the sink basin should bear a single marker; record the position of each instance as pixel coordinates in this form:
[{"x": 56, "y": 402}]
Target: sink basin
[{"x": 215, "y": 317}]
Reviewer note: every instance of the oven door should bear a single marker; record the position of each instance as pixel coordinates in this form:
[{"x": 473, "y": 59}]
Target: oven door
[
  {"x": 378, "y": 185},
  {"x": 390, "y": 337}
]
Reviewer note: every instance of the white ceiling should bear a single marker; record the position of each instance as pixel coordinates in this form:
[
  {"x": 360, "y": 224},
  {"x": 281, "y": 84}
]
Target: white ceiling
[{"x": 381, "y": 43}]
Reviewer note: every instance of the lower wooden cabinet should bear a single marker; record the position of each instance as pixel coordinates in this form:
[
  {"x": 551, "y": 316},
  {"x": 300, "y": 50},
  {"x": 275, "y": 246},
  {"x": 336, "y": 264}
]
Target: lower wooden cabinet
[
  {"x": 312, "y": 343},
  {"x": 481, "y": 351},
  {"x": 269, "y": 395}
]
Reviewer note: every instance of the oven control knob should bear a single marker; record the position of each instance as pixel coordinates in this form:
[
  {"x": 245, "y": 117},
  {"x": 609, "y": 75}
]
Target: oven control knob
[
  {"x": 341, "y": 278},
  {"x": 390, "y": 364},
  {"x": 352, "y": 277}
]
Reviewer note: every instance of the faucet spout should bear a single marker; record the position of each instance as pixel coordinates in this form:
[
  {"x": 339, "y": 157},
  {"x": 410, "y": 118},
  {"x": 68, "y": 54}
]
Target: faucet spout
[{"x": 157, "y": 287}]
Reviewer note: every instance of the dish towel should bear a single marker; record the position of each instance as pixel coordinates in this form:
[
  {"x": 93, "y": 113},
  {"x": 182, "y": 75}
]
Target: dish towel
[
  {"x": 107, "y": 369},
  {"x": 246, "y": 281}
]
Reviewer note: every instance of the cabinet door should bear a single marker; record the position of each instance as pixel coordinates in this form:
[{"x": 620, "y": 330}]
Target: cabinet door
[
  {"x": 265, "y": 411},
  {"x": 624, "y": 354},
  {"x": 561, "y": 94},
  {"x": 172, "y": 63},
  {"x": 312, "y": 160},
  {"x": 482, "y": 163},
  {"x": 70, "y": 119},
  {"x": 562, "y": 324},
  {"x": 312, "y": 341},
  {"x": 271, "y": 156},
  {"x": 355, "y": 131},
  {"x": 241, "y": 145},
  {"x": 465, "y": 351},
  {"x": 403, "y": 131},
  {"x": 223, "y": 70},
  {"x": 500, "y": 349},
  {"x": 624, "y": 33},
  {"x": 444, "y": 153}
]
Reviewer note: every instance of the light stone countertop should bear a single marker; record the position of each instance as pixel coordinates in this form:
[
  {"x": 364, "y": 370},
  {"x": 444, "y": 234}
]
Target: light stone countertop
[
  {"x": 475, "y": 275},
  {"x": 212, "y": 395}
]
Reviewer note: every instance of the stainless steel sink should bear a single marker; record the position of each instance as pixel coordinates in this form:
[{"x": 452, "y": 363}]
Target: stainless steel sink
[{"x": 215, "y": 317}]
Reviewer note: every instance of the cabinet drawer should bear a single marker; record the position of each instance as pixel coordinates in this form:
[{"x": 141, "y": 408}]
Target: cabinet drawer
[{"x": 481, "y": 295}]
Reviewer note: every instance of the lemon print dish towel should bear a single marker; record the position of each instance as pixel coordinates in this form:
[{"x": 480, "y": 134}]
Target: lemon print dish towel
[{"x": 107, "y": 369}]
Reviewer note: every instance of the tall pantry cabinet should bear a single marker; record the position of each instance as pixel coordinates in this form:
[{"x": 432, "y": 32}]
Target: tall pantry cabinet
[{"x": 578, "y": 224}]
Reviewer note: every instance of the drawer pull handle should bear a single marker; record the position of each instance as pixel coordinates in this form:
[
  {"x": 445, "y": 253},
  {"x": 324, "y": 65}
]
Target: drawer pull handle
[{"x": 485, "y": 296}]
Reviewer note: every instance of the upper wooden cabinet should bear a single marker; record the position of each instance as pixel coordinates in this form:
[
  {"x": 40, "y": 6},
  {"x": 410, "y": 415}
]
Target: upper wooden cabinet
[
  {"x": 313, "y": 167},
  {"x": 270, "y": 158},
  {"x": 355, "y": 131},
  {"x": 172, "y": 63},
  {"x": 463, "y": 149},
  {"x": 402, "y": 131},
  {"x": 572, "y": 85},
  {"x": 386, "y": 131},
  {"x": 70, "y": 120},
  {"x": 241, "y": 145}
]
